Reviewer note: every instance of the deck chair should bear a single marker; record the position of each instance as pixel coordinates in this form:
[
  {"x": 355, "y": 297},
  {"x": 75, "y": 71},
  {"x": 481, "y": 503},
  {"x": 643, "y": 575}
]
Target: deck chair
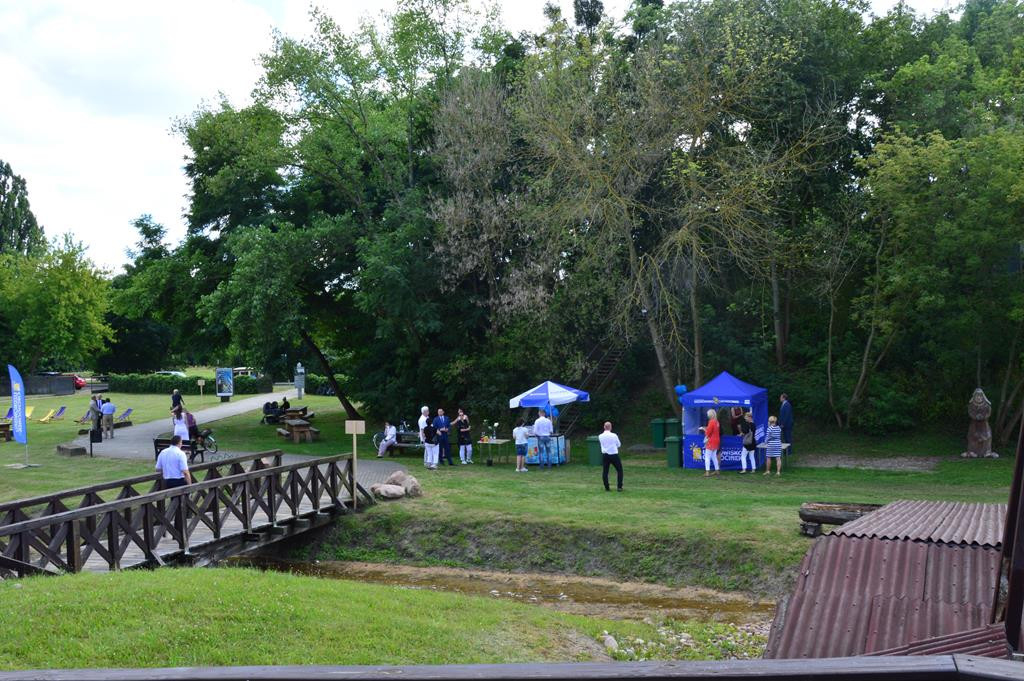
[
  {"x": 124, "y": 415},
  {"x": 28, "y": 411},
  {"x": 46, "y": 419},
  {"x": 59, "y": 416},
  {"x": 10, "y": 414},
  {"x": 85, "y": 419}
]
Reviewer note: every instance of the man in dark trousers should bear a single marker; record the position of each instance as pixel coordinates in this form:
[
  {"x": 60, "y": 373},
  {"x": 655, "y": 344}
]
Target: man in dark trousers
[
  {"x": 786, "y": 420},
  {"x": 444, "y": 448},
  {"x": 610, "y": 456}
]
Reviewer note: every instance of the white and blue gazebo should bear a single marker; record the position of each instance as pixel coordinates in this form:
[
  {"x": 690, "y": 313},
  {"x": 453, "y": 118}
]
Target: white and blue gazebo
[{"x": 546, "y": 396}]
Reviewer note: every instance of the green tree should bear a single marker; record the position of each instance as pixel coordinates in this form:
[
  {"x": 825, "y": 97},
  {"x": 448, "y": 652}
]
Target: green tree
[
  {"x": 54, "y": 305},
  {"x": 19, "y": 231}
]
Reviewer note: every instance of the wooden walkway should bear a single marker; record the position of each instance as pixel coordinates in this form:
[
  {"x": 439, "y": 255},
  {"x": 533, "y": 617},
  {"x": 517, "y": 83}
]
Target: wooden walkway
[{"x": 236, "y": 505}]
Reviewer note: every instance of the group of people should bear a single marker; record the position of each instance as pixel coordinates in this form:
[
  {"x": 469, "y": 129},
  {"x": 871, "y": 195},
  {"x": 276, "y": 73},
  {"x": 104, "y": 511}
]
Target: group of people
[
  {"x": 276, "y": 409},
  {"x": 542, "y": 430},
  {"x": 101, "y": 413},
  {"x": 182, "y": 420},
  {"x": 779, "y": 431},
  {"x": 436, "y": 436}
]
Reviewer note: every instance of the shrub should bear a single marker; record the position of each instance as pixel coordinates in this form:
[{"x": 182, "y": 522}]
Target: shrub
[{"x": 156, "y": 384}]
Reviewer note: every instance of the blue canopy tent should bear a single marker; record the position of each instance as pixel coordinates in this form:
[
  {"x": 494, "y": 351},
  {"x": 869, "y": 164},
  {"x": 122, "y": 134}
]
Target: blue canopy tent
[{"x": 724, "y": 390}]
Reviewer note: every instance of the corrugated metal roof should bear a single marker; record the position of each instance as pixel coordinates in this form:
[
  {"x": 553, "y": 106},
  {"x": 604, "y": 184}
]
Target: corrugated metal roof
[
  {"x": 939, "y": 521},
  {"x": 986, "y": 641},
  {"x": 855, "y": 595}
]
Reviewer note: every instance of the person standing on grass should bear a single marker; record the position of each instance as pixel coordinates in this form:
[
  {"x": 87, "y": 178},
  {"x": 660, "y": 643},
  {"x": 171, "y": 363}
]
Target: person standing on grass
[
  {"x": 786, "y": 420},
  {"x": 107, "y": 411},
  {"x": 712, "y": 441},
  {"x": 610, "y": 456},
  {"x": 96, "y": 411},
  {"x": 443, "y": 425},
  {"x": 521, "y": 437},
  {"x": 177, "y": 401},
  {"x": 429, "y": 443},
  {"x": 773, "y": 447},
  {"x": 542, "y": 429},
  {"x": 173, "y": 465},
  {"x": 749, "y": 448},
  {"x": 390, "y": 438},
  {"x": 465, "y": 440}
]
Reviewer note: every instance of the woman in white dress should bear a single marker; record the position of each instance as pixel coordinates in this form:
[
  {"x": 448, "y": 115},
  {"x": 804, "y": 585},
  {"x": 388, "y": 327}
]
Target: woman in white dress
[{"x": 179, "y": 422}]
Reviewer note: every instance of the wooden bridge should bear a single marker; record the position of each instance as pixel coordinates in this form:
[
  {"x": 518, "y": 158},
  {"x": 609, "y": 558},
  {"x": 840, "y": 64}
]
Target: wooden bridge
[{"x": 236, "y": 505}]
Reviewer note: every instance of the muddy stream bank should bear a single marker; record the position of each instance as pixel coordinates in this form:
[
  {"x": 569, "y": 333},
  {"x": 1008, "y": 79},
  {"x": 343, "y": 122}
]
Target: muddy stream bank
[{"x": 591, "y": 596}]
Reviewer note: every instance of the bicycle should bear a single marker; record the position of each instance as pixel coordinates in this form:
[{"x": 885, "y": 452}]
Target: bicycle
[{"x": 209, "y": 442}]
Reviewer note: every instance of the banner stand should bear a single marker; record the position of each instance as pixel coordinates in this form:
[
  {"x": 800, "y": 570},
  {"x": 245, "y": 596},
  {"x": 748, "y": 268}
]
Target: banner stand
[{"x": 20, "y": 422}]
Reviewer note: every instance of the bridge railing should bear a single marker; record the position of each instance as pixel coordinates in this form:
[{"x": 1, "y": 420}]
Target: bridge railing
[
  {"x": 234, "y": 505},
  {"x": 92, "y": 495}
]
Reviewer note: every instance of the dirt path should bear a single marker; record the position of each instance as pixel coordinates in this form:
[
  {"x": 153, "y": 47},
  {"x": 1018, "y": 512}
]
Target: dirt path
[{"x": 880, "y": 463}]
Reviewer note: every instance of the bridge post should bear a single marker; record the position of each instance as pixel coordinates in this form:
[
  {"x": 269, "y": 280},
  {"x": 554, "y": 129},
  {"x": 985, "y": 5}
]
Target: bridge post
[
  {"x": 272, "y": 498},
  {"x": 215, "y": 509},
  {"x": 114, "y": 562},
  {"x": 147, "y": 531},
  {"x": 22, "y": 553},
  {"x": 181, "y": 520},
  {"x": 246, "y": 507},
  {"x": 73, "y": 541}
]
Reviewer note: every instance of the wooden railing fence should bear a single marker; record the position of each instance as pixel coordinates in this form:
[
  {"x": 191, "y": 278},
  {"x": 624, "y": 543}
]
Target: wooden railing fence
[{"x": 240, "y": 504}]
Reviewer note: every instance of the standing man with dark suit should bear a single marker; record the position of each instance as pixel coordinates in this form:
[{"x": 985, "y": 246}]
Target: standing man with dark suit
[
  {"x": 786, "y": 420},
  {"x": 444, "y": 448}
]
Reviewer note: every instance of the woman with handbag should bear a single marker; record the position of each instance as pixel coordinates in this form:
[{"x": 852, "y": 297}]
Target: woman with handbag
[
  {"x": 749, "y": 448},
  {"x": 712, "y": 441}
]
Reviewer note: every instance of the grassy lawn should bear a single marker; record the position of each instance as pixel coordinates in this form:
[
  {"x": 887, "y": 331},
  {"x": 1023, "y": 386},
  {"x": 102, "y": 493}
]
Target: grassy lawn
[{"x": 193, "y": 617}]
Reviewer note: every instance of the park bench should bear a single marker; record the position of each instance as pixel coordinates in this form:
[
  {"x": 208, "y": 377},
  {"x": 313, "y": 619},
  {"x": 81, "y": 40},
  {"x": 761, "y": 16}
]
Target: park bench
[{"x": 191, "y": 448}]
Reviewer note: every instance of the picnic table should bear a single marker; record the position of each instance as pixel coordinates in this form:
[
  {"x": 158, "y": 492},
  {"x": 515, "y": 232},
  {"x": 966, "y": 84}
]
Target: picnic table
[
  {"x": 5, "y": 431},
  {"x": 299, "y": 430}
]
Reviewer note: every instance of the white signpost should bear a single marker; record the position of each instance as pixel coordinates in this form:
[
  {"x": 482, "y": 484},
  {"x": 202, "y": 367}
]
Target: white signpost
[
  {"x": 201, "y": 382},
  {"x": 354, "y": 428}
]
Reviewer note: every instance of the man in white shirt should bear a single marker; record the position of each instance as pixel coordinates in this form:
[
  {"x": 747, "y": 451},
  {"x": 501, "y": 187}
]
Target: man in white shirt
[
  {"x": 610, "y": 455},
  {"x": 429, "y": 444},
  {"x": 173, "y": 465},
  {"x": 390, "y": 437},
  {"x": 542, "y": 430}
]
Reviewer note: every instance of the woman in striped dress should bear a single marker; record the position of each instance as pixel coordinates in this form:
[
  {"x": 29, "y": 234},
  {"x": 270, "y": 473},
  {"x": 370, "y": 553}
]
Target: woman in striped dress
[{"x": 773, "y": 446}]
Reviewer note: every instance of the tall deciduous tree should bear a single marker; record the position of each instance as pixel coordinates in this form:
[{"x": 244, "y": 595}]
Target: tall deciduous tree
[{"x": 19, "y": 231}]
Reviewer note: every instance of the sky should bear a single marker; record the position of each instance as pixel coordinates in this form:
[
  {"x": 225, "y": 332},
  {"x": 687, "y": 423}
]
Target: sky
[{"x": 91, "y": 92}]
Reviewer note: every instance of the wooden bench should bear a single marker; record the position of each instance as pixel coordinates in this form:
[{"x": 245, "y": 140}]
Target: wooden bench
[{"x": 191, "y": 449}]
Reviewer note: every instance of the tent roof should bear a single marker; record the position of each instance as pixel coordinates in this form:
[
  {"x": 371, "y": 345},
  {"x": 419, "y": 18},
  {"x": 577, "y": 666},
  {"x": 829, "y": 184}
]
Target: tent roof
[
  {"x": 723, "y": 387},
  {"x": 547, "y": 393}
]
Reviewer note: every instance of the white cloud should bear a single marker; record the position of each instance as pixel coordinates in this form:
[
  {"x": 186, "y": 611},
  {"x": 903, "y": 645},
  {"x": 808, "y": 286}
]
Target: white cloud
[{"x": 92, "y": 88}]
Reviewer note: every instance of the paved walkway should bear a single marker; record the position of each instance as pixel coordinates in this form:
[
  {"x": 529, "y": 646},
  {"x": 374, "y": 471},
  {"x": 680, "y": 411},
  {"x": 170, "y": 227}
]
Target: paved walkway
[{"x": 136, "y": 442}]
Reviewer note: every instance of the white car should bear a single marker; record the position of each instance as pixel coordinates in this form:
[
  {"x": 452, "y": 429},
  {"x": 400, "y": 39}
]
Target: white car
[{"x": 179, "y": 374}]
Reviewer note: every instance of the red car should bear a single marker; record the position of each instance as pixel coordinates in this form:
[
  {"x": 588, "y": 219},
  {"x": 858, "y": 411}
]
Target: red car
[{"x": 79, "y": 381}]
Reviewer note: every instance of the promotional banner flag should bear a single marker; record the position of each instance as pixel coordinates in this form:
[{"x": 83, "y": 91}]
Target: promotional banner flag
[{"x": 18, "y": 405}]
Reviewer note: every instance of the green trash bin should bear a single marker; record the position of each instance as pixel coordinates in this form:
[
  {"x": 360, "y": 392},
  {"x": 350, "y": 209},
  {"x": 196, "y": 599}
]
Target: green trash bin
[
  {"x": 658, "y": 433},
  {"x": 593, "y": 450},
  {"x": 673, "y": 427},
  {"x": 673, "y": 449}
]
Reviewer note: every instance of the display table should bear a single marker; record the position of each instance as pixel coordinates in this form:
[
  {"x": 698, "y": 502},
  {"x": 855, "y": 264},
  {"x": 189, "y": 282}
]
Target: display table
[
  {"x": 491, "y": 443},
  {"x": 559, "y": 452}
]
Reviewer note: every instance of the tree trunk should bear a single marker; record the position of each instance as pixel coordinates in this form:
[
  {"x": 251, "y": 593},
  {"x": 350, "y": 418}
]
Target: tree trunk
[
  {"x": 350, "y": 410},
  {"x": 780, "y": 341},
  {"x": 828, "y": 361},
  {"x": 652, "y": 328},
  {"x": 698, "y": 341}
]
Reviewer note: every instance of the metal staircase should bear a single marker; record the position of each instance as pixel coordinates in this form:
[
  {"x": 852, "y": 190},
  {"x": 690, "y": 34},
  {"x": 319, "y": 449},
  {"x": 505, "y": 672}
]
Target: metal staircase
[{"x": 608, "y": 361}]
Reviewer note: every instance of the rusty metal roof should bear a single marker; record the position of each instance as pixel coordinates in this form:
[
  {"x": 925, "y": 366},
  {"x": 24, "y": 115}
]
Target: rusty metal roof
[
  {"x": 986, "y": 641},
  {"x": 857, "y": 595},
  {"x": 948, "y": 522}
]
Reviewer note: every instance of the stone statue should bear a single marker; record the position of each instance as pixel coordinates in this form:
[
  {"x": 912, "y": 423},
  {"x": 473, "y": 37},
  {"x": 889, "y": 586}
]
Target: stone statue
[{"x": 979, "y": 434}]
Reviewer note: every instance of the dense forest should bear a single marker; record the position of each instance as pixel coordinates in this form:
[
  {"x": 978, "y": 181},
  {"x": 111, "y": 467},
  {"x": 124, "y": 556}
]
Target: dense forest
[{"x": 434, "y": 209}]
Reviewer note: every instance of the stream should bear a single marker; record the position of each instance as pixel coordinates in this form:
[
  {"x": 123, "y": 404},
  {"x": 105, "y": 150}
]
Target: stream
[{"x": 593, "y": 596}]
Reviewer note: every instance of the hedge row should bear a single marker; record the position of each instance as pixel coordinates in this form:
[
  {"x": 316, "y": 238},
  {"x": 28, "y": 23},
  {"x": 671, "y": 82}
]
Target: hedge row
[{"x": 156, "y": 384}]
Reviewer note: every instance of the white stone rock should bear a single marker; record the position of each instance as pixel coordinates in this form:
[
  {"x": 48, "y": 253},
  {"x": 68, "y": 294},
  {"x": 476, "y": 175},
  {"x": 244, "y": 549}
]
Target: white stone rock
[
  {"x": 609, "y": 642},
  {"x": 388, "y": 491},
  {"x": 397, "y": 478},
  {"x": 412, "y": 487}
]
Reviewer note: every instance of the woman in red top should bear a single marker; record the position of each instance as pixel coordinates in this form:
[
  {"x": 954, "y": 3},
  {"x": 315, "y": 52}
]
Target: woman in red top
[{"x": 712, "y": 440}]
